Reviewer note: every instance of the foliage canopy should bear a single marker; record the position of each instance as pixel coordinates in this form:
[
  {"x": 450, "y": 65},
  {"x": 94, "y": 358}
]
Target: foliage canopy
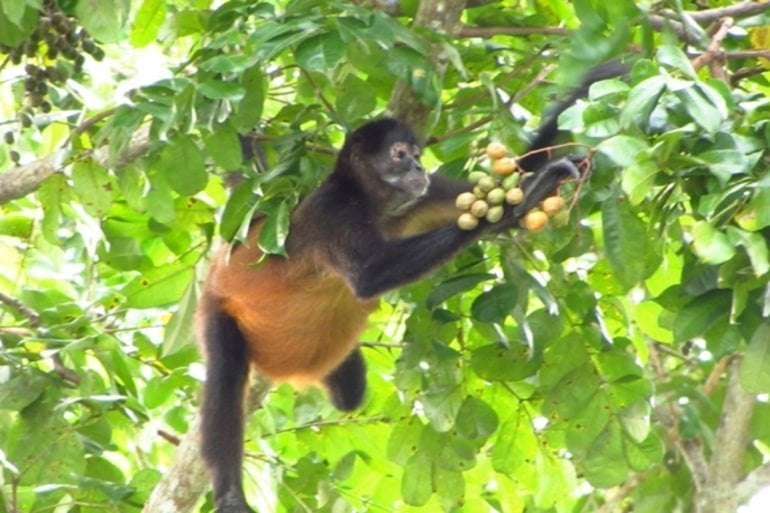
[{"x": 619, "y": 361}]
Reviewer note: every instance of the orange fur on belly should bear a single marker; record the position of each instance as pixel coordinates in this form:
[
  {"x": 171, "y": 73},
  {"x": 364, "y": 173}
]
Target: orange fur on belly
[{"x": 300, "y": 323}]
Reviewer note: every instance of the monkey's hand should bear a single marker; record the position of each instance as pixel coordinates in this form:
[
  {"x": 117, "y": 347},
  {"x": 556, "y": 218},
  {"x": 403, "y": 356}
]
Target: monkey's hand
[{"x": 544, "y": 183}]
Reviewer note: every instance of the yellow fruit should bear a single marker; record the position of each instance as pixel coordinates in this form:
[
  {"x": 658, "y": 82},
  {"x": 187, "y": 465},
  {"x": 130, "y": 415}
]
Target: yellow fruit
[
  {"x": 467, "y": 221},
  {"x": 514, "y": 196},
  {"x": 465, "y": 200},
  {"x": 496, "y": 150},
  {"x": 552, "y": 205},
  {"x": 535, "y": 220},
  {"x": 479, "y": 208},
  {"x": 504, "y": 166}
]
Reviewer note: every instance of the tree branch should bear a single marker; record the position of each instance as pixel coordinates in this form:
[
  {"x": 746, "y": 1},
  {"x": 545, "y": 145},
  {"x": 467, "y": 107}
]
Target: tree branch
[
  {"x": 486, "y": 32},
  {"x": 437, "y": 15},
  {"x": 185, "y": 482},
  {"x": 758, "y": 479},
  {"x": 706, "y": 16},
  {"x": 23, "y": 180},
  {"x": 725, "y": 469}
]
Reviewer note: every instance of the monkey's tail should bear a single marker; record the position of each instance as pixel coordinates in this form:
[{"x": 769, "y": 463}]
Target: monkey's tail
[{"x": 549, "y": 128}]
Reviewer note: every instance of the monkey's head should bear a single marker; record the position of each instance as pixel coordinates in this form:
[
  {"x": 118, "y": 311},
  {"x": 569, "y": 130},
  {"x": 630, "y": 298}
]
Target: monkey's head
[{"x": 383, "y": 156}]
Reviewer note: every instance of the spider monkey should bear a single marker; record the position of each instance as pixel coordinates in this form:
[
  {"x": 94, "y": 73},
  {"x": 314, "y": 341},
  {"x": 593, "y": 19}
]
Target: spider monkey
[{"x": 379, "y": 221}]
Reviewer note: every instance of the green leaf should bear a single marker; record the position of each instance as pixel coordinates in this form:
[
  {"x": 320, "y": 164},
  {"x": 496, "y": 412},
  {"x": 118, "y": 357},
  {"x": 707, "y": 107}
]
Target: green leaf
[
  {"x": 16, "y": 225},
  {"x": 321, "y": 52},
  {"x": 218, "y": 89},
  {"x": 640, "y": 456},
  {"x": 755, "y": 365},
  {"x": 147, "y": 22},
  {"x": 182, "y": 166},
  {"x": 403, "y": 439},
  {"x": 756, "y": 247},
  {"x": 21, "y": 390},
  {"x": 495, "y": 304},
  {"x": 179, "y": 332},
  {"x": 625, "y": 242},
  {"x": 355, "y": 98},
  {"x": 453, "y": 286},
  {"x": 623, "y": 150},
  {"x": 224, "y": 146},
  {"x": 638, "y": 180},
  {"x": 450, "y": 487},
  {"x": 103, "y": 19},
  {"x": 726, "y": 163},
  {"x": 476, "y": 419},
  {"x": 700, "y": 314},
  {"x": 158, "y": 286},
  {"x": 641, "y": 101},
  {"x": 276, "y": 229},
  {"x": 700, "y": 108},
  {"x": 604, "y": 464},
  {"x": 42, "y": 443},
  {"x": 239, "y": 210},
  {"x": 250, "y": 107},
  {"x": 94, "y": 186},
  {"x": 14, "y": 11},
  {"x": 417, "y": 481},
  {"x": 13, "y": 33},
  {"x": 635, "y": 420},
  {"x": 711, "y": 245},
  {"x": 674, "y": 57},
  {"x": 497, "y": 363}
]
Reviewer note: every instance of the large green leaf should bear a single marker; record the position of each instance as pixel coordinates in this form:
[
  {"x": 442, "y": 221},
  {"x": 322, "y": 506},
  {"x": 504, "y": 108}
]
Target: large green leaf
[
  {"x": 147, "y": 22},
  {"x": 103, "y": 19},
  {"x": 625, "y": 241},
  {"x": 321, "y": 52},
  {"x": 701, "y": 314},
  {"x": 158, "y": 286},
  {"x": 181, "y": 162},
  {"x": 755, "y": 366}
]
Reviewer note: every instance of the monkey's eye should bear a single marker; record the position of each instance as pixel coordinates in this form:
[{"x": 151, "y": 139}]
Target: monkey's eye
[{"x": 401, "y": 154}]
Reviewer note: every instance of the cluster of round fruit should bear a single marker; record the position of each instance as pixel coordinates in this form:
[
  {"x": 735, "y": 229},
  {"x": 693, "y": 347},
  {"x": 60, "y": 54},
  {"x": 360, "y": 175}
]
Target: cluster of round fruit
[
  {"x": 56, "y": 39},
  {"x": 491, "y": 191}
]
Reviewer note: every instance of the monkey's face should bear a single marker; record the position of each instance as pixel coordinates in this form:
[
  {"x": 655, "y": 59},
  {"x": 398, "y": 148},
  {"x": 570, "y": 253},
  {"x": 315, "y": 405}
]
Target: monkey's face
[{"x": 400, "y": 169}]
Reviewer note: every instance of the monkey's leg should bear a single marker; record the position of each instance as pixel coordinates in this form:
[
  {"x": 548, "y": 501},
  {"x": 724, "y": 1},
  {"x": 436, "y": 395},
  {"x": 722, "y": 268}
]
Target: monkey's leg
[
  {"x": 347, "y": 383},
  {"x": 227, "y": 368}
]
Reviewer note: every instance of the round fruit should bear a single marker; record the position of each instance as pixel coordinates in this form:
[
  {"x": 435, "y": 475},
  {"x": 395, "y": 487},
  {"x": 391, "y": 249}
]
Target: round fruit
[
  {"x": 494, "y": 214},
  {"x": 514, "y": 196},
  {"x": 552, "y": 205},
  {"x": 479, "y": 208},
  {"x": 560, "y": 219},
  {"x": 465, "y": 200},
  {"x": 496, "y": 196},
  {"x": 535, "y": 220},
  {"x": 504, "y": 166},
  {"x": 496, "y": 150},
  {"x": 467, "y": 221},
  {"x": 475, "y": 176},
  {"x": 487, "y": 183}
]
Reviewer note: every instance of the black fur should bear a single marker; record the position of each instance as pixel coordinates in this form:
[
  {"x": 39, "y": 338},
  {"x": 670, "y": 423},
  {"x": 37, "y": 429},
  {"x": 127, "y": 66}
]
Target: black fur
[
  {"x": 227, "y": 369},
  {"x": 347, "y": 383}
]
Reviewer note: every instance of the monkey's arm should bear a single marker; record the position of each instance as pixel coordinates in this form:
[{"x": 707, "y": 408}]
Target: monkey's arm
[{"x": 373, "y": 265}]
